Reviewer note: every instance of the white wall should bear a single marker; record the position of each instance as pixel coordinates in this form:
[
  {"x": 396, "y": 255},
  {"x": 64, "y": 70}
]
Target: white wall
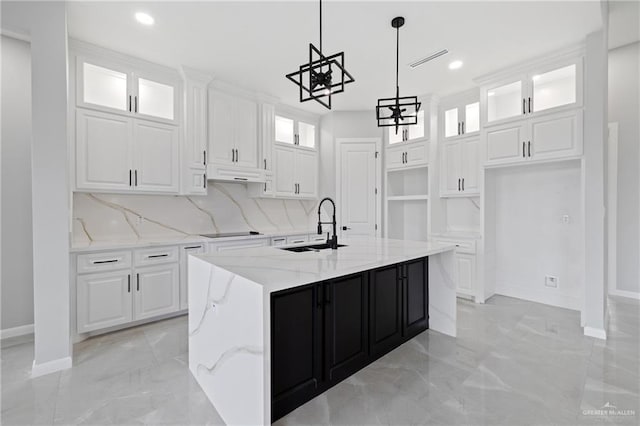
[
  {"x": 17, "y": 256},
  {"x": 532, "y": 240},
  {"x": 624, "y": 109}
]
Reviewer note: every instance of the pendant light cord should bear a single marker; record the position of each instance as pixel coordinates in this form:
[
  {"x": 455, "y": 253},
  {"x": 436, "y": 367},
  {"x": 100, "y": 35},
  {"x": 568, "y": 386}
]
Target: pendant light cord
[
  {"x": 320, "y": 26},
  {"x": 397, "y": 55}
]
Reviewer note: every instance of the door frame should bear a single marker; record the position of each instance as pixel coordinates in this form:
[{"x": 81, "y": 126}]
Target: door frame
[{"x": 338, "y": 157}]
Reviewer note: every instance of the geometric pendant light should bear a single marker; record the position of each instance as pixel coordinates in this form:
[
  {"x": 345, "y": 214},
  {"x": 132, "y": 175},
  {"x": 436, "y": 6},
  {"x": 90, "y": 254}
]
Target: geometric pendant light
[
  {"x": 317, "y": 78},
  {"x": 397, "y": 111}
]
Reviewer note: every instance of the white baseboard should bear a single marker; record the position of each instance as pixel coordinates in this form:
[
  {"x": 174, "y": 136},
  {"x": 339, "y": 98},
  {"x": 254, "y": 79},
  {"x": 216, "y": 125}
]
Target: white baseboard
[
  {"x": 598, "y": 333},
  {"x": 16, "y": 331},
  {"x": 49, "y": 367},
  {"x": 624, "y": 293}
]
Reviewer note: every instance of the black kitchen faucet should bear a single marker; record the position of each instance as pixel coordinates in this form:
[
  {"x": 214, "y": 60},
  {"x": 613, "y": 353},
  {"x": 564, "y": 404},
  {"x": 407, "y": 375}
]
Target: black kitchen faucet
[{"x": 333, "y": 241}]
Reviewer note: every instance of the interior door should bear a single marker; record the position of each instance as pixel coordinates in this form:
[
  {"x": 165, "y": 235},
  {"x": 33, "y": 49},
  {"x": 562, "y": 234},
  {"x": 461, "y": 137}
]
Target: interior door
[{"x": 358, "y": 197}]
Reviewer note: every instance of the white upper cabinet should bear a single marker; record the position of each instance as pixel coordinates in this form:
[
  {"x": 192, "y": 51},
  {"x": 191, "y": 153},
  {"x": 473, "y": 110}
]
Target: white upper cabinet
[
  {"x": 111, "y": 86},
  {"x": 542, "y": 138},
  {"x": 296, "y": 172},
  {"x": 548, "y": 88},
  {"x": 459, "y": 168},
  {"x": 233, "y": 137},
  {"x": 294, "y": 130},
  {"x": 104, "y": 151},
  {"x": 156, "y": 157},
  {"x": 410, "y": 133}
]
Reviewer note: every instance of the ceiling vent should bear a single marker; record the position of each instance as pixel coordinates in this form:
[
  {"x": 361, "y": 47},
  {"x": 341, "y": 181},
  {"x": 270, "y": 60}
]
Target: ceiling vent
[{"x": 426, "y": 59}]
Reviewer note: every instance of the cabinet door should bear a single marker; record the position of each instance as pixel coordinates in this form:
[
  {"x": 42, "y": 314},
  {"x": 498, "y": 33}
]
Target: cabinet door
[
  {"x": 156, "y": 157},
  {"x": 394, "y": 157},
  {"x": 306, "y": 166},
  {"x": 104, "y": 86},
  {"x": 505, "y": 144},
  {"x": 267, "y": 135},
  {"x": 469, "y": 166},
  {"x": 285, "y": 170},
  {"x": 471, "y": 119},
  {"x": 451, "y": 122},
  {"x": 196, "y": 124},
  {"x": 466, "y": 266},
  {"x": 156, "y": 99},
  {"x": 306, "y": 135},
  {"x": 221, "y": 125},
  {"x": 103, "y": 151},
  {"x": 157, "y": 291},
  {"x": 184, "y": 271},
  {"x": 416, "y": 298},
  {"x": 419, "y": 130},
  {"x": 450, "y": 168},
  {"x": 346, "y": 326},
  {"x": 556, "y": 136},
  {"x": 296, "y": 347},
  {"x": 556, "y": 87},
  {"x": 103, "y": 300},
  {"x": 246, "y": 132},
  {"x": 506, "y": 101},
  {"x": 417, "y": 154},
  {"x": 385, "y": 298}
]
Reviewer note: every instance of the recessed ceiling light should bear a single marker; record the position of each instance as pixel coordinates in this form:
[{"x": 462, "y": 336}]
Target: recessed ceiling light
[
  {"x": 455, "y": 65},
  {"x": 144, "y": 18}
]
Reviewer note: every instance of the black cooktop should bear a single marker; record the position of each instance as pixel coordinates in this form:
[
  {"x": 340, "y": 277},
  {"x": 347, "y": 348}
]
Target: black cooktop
[{"x": 230, "y": 234}]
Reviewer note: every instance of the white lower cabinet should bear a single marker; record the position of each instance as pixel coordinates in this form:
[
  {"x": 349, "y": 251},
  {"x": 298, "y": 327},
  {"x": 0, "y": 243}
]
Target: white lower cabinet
[
  {"x": 466, "y": 267},
  {"x": 103, "y": 300},
  {"x": 110, "y": 291},
  {"x": 241, "y": 244},
  {"x": 157, "y": 291}
]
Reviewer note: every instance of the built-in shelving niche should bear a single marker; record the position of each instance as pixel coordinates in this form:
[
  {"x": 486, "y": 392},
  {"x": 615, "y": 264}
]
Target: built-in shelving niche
[{"x": 407, "y": 204}]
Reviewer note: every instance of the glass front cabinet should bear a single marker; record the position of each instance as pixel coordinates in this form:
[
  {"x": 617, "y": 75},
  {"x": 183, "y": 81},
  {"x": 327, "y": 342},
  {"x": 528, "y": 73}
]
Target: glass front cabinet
[
  {"x": 411, "y": 133},
  {"x": 460, "y": 115},
  {"x": 552, "y": 88}
]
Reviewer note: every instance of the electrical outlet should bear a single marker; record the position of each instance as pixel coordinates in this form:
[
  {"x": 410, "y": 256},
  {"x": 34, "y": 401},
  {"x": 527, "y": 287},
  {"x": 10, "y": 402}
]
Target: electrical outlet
[{"x": 550, "y": 281}]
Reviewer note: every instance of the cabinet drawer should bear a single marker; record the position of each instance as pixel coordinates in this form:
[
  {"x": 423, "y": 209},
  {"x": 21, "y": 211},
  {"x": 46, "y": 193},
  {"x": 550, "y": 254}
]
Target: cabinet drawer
[
  {"x": 317, "y": 238},
  {"x": 155, "y": 256},
  {"x": 236, "y": 245},
  {"x": 297, "y": 239},
  {"x": 464, "y": 246},
  {"x": 106, "y": 261},
  {"x": 278, "y": 241}
]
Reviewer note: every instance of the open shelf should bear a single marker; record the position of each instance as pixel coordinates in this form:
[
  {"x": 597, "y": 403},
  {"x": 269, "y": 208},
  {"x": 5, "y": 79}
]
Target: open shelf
[
  {"x": 408, "y": 198},
  {"x": 411, "y": 182}
]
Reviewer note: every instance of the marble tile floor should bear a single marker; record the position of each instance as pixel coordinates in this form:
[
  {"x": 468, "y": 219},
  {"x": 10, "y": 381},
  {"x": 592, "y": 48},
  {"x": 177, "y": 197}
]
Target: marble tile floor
[{"x": 513, "y": 363}]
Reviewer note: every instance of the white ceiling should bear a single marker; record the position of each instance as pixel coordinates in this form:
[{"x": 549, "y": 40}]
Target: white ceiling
[
  {"x": 254, "y": 44},
  {"x": 624, "y": 22}
]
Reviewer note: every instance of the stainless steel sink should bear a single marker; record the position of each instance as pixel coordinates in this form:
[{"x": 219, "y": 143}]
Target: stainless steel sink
[{"x": 311, "y": 247}]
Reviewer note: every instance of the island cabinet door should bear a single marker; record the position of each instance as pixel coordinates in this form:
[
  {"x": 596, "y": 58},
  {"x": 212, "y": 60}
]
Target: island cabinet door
[
  {"x": 385, "y": 306},
  {"x": 416, "y": 297},
  {"x": 346, "y": 326},
  {"x": 296, "y": 347}
]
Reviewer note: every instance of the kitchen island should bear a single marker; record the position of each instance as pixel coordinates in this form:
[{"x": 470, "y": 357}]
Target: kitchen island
[{"x": 270, "y": 329}]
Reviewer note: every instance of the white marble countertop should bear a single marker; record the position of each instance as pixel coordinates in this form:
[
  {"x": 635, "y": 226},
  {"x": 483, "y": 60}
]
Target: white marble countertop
[
  {"x": 277, "y": 269},
  {"x": 168, "y": 241}
]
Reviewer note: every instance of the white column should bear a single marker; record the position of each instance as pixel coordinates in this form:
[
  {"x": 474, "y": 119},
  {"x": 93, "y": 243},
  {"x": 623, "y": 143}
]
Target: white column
[
  {"x": 45, "y": 24},
  {"x": 595, "y": 136}
]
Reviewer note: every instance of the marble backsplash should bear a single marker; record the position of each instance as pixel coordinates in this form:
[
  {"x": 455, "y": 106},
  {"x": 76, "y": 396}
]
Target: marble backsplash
[{"x": 227, "y": 208}]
